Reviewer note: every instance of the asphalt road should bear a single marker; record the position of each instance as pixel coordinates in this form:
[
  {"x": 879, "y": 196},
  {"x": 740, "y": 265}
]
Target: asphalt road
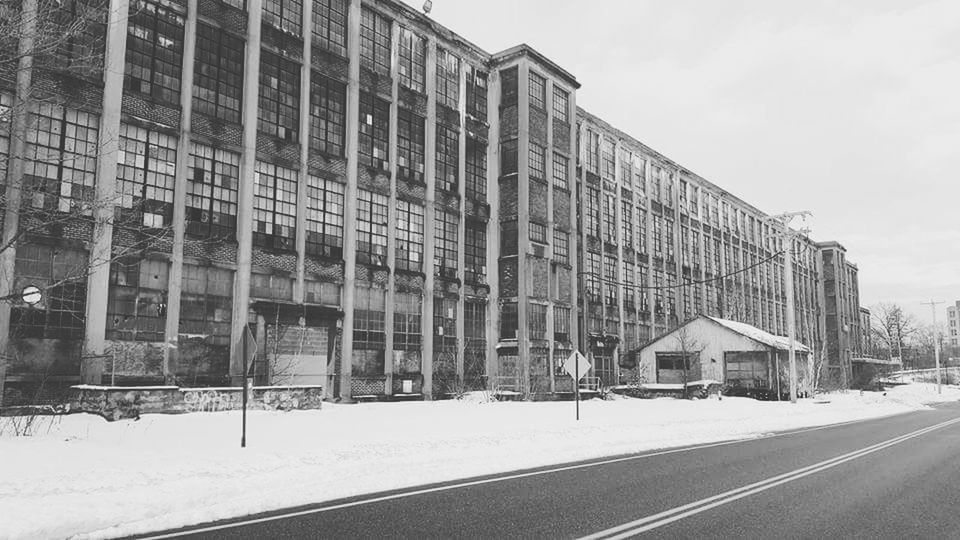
[{"x": 896, "y": 477}]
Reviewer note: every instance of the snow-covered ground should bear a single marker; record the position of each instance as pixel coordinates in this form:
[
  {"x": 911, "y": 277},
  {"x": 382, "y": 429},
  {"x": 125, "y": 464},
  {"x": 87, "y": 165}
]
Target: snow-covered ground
[{"x": 85, "y": 477}]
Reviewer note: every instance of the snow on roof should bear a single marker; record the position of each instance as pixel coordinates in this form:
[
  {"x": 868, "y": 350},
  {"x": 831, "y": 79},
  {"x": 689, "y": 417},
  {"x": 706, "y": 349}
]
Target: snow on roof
[{"x": 778, "y": 342}]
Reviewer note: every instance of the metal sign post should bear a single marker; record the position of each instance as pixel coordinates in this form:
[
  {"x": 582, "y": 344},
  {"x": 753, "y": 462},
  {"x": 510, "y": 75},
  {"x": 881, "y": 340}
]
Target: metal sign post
[
  {"x": 243, "y": 351},
  {"x": 572, "y": 367}
]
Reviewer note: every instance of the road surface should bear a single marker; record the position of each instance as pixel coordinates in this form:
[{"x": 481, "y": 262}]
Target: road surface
[{"x": 896, "y": 477}]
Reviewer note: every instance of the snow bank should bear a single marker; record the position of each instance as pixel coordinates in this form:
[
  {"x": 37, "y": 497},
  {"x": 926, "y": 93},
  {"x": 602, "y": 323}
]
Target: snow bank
[{"x": 92, "y": 479}]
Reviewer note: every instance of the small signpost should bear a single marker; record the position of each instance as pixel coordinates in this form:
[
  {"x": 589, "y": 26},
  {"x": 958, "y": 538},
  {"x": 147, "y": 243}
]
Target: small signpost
[{"x": 576, "y": 365}]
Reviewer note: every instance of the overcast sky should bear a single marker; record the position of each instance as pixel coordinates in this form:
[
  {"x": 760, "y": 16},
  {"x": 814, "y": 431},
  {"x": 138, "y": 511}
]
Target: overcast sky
[{"x": 848, "y": 109}]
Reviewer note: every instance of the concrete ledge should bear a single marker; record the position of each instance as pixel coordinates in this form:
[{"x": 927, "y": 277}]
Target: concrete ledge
[{"x": 116, "y": 402}]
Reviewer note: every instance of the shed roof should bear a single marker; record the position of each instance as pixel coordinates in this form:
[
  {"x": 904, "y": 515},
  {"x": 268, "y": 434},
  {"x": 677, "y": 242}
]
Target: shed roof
[{"x": 778, "y": 342}]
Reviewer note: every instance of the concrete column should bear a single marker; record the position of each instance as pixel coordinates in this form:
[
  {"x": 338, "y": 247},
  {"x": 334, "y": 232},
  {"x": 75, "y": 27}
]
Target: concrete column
[
  {"x": 648, "y": 241},
  {"x": 175, "y": 277},
  {"x": 579, "y": 242},
  {"x": 702, "y": 256},
  {"x": 18, "y": 142},
  {"x": 574, "y": 239},
  {"x": 429, "y": 215},
  {"x": 493, "y": 227},
  {"x": 306, "y": 74},
  {"x": 523, "y": 221},
  {"x": 350, "y": 199},
  {"x": 390, "y": 301},
  {"x": 617, "y": 173},
  {"x": 554, "y": 275},
  {"x": 461, "y": 216},
  {"x": 108, "y": 140},
  {"x": 677, "y": 249},
  {"x": 245, "y": 195}
]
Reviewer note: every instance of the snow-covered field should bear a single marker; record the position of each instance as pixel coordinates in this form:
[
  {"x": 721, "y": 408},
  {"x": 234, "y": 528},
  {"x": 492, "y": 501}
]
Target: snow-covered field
[{"x": 82, "y": 476}]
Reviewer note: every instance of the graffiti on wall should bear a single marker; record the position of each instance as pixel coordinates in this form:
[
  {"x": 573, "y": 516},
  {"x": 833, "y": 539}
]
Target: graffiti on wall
[{"x": 209, "y": 400}]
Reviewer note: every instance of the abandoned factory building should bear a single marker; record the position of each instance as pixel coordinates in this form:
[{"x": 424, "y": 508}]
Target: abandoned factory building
[{"x": 386, "y": 207}]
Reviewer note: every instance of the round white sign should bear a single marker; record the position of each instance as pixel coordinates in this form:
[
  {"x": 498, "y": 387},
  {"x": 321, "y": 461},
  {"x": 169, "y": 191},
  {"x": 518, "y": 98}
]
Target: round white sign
[{"x": 31, "y": 294}]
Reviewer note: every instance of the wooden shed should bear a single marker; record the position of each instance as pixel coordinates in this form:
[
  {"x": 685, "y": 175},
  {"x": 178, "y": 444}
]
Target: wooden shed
[{"x": 731, "y": 352}]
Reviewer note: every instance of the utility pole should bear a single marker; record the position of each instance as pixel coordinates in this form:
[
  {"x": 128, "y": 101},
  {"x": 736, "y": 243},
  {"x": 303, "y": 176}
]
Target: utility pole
[
  {"x": 789, "y": 237},
  {"x": 936, "y": 340}
]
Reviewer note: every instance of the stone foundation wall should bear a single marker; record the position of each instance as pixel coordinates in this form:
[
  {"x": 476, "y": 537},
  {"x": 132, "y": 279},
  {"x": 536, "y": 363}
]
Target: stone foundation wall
[{"x": 114, "y": 402}]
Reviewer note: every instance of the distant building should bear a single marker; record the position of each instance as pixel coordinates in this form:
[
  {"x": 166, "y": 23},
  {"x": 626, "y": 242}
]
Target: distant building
[
  {"x": 953, "y": 324},
  {"x": 384, "y": 206},
  {"x": 866, "y": 333}
]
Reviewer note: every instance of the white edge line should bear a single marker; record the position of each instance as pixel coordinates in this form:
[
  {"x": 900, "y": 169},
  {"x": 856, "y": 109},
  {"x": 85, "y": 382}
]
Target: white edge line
[{"x": 748, "y": 438}]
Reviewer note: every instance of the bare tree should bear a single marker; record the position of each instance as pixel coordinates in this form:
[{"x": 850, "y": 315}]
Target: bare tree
[
  {"x": 690, "y": 349},
  {"x": 892, "y": 327}
]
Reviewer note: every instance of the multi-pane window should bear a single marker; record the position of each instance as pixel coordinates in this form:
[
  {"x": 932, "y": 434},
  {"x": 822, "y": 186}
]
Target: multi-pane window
[
  {"x": 274, "y": 206},
  {"x": 593, "y": 212},
  {"x": 657, "y": 236},
  {"x": 561, "y": 104},
  {"x": 561, "y": 324},
  {"x": 448, "y": 79},
  {"x": 154, "y": 49},
  {"x": 146, "y": 164},
  {"x": 328, "y": 104},
  {"x": 608, "y": 159},
  {"x": 508, "y": 320},
  {"x": 538, "y": 91},
  {"x": 218, "y": 74},
  {"x": 592, "y": 151},
  {"x": 374, "y": 131},
  {"x": 537, "y": 320},
  {"x": 212, "y": 184},
  {"x": 371, "y": 228},
  {"x": 475, "y": 321},
  {"x": 407, "y": 332},
  {"x": 284, "y": 14},
  {"x": 561, "y": 170},
  {"x": 476, "y": 92},
  {"x": 374, "y": 41},
  {"x": 330, "y": 25},
  {"x": 561, "y": 246},
  {"x": 629, "y": 291},
  {"x": 610, "y": 280},
  {"x": 626, "y": 224},
  {"x": 476, "y": 168},
  {"x": 475, "y": 253},
  {"x": 639, "y": 175},
  {"x": 446, "y": 227},
  {"x": 508, "y": 157},
  {"x": 279, "y": 111},
  {"x": 448, "y": 157},
  {"x": 61, "y": 273},
  {"x": 410, "y": 145},
  {"x": 592, "y": 276},
  {"x": 409, "y": 236},
  {"x": 610, "y": 218},
  {"x": 61, "y": 157},
  {"x": 369, "y": 325},
  {"x": 445, "y": 325},
  {"x": 324, "y": 218},
  {"x": 509, "y": 86},
  {"x": 412, "y": 67},
  {"x": 537, "y": 161},
  {"x": 538, "y": 233}
]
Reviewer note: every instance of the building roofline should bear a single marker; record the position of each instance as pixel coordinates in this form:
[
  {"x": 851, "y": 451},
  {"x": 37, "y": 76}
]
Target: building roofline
[{"x": 526, "y": 50}]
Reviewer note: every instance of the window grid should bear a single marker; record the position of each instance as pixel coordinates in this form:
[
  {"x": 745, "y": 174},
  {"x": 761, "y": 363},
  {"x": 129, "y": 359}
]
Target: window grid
[
  {"x": 410, "y": 145},
  {"x": 324, "y": 218},
  {"x": 284, "y": 14},
  {"x": 593, "y": 151},
  {"x": 412, "y": 67},
  {"x": 279, "y": 104},
  {"x": 61, "y": 156},
  {"x": 374, "y": 131},
  {"x": 629, "y": 291},
  {"x": 444, "y": 324},
  {"x": 593, "y": 212},
  {"x": 561, "y": 171},
  {"x": 626, "y": 224},
  {"x": 369, "y": 324},
  {"x": 476, "y": 168},
  {"x": 212, "y": 185},
  {"x": 448, "y": 158},
  {"x": 537, "y": 320},
  {"x": 410, "y": 236},
  {"x": 372, "y": 228},
  {"x": 610, "y": 218},
  {"x": 538, "y": 233},
  {"x": 509, "y": 86},
  {"x": 537, "y": 163},
  {"x": 154, "y": 54},
  {"x": 610, "y": 280},
  {"x": 608, "y": 159},
  {"x": 476, "y": 93},
  {"x": 537, "y": 90},
  {"x": 328, "y": 105},
  {"x": 475, "y": 253},
  {"x": 446, "y": 230},
  {"x": 218, "y": 74},
  {"x": 561, "y": 246},
  {"x": 508, "y": 320},
  {"x": 407, "y": 331},
  {"x": 475, "y": 321},
  {"x": 561, "y": 324},
  {"x": 561, "y": 104},
  {"x": 146, "y": 165},
  {"x": 374, "y": 41},
  {"x": 274, "y": 206},
  {"x": 330, "y": 25},
  {"x": 448, "y": 79}
]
